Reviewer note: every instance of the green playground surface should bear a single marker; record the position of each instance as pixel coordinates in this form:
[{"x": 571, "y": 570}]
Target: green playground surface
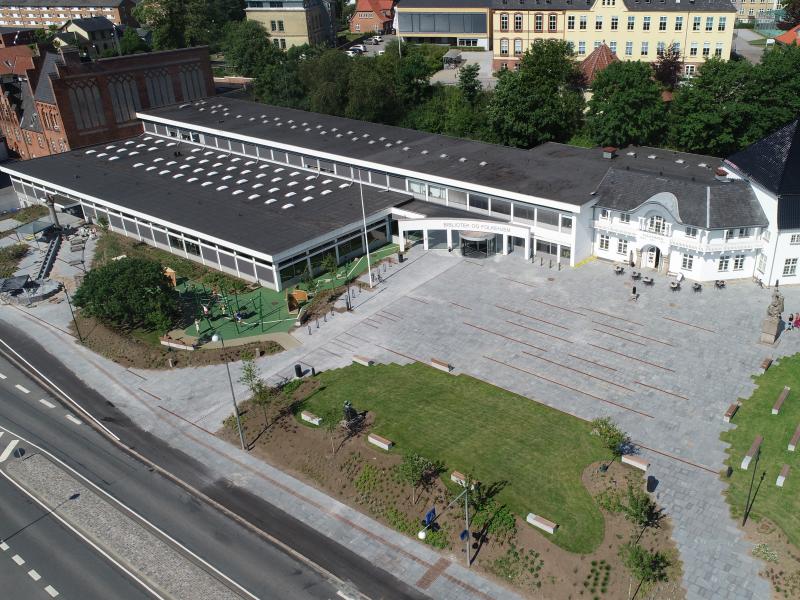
[{"x": 260, "y": 311}]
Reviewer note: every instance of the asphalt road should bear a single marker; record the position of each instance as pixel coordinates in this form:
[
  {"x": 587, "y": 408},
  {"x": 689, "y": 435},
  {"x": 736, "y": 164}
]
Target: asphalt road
[
  {"x": 55, "y": 560},
  {"x": 253, "y": 562}
]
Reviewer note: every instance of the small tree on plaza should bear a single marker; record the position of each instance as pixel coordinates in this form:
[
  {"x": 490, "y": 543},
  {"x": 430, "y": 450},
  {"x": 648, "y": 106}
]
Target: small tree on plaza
[
  {"x": 330, "y": 267},
  {"x": 330, "y": 421},
  {"x": 640, "y": 508},
  {"x": 613, "y": 438},
  {"x": 645, "y": 565},
  {"x": 416, "y": 470}
]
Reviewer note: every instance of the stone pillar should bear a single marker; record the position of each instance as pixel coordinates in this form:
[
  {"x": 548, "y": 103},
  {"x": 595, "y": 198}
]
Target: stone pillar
[
  {"x": 638, "y": 258},
  {"x": 527, "y": 246},
  {"x": 665, "y": 261},
  {"x": 51, "y": 206},
  {"x": 505, "y": 244},
  {"x": 425, "y": 239},
  {"x": 449, "y": 239}
]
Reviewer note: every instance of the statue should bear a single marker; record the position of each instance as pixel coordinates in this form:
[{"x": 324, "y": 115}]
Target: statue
[
  {"x": 775, "y": 308},
  {"x": 349, "y": 412}
]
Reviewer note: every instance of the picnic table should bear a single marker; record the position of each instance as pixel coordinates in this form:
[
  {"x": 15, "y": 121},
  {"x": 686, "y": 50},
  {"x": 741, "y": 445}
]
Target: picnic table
[
  {"x": 648, "y": 280},
  {"x": 619, "y": 270},
  {"x": 635, "y": 275},
  {"x": 719, "y": 284}
]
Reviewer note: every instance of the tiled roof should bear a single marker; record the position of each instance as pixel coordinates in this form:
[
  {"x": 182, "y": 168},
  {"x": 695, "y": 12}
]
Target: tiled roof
[
  {"x": 790, "y": 37},
  {"x": 599, "y": 59},
  {"x": 77, "y": 3},
  {"x": 382, "y": 8}
]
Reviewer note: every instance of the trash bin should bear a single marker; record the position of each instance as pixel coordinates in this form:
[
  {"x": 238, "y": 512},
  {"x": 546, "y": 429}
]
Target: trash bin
[{"x": 298, "y": 371}]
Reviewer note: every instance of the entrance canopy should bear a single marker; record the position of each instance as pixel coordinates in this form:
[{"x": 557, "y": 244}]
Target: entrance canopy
[{"x": 476, "y": 236}]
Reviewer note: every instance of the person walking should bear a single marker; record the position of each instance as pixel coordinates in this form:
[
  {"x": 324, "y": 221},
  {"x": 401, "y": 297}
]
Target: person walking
[{"x": 790, "y": 322}]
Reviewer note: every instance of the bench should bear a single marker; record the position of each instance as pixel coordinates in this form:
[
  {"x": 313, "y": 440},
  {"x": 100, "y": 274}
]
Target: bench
[
  {"x": 363, "y": 360},
  {"x": 783, "y": 475},
  {"x": 794, "y": 440},
  {"x": 635, "y": 461},
  {"x": 541, "y": 523},
  {"x": 458, "y": 478},
  {"x": 441, "y": 365},
  {"x": 730, "y": 412},
  {"x": 752, "y": 452},
  {"x": 380, "y": 442},
  {"x": 781, "y": 399},
  {"x": 766, "y": 363},
  {"x": 310, "y": 417}
]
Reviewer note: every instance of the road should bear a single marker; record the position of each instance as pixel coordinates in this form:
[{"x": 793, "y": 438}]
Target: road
[{"x": 258, "y": 565}]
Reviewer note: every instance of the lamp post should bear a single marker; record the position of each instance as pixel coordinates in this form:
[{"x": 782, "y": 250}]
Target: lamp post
[
  {"x": 364, "y": 217},
  {"x": 218, "y": 338},
  {"x": 72, "y": 312},
  {"x": 423, "y": 533}
]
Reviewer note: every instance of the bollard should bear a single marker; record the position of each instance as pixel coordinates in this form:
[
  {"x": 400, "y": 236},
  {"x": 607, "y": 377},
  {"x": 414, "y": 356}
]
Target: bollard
[
  {"x": 541, "y": 261},
  {"x": 309, "y": 330},
  {"x": 171, "y": 364},
  {"x": 551, "y": 263},
  {"x": 298, "y": 370},
  {"x": 313, "y": 372},
  {"x": 317, "y": 323},
  {"x": 559, "y": 265},
  {"x": 325, "y": 317}
]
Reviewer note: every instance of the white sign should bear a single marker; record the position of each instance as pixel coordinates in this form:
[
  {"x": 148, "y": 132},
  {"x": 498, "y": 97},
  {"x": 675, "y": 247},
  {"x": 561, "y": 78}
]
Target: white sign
[{"x": 483, "y": 226}]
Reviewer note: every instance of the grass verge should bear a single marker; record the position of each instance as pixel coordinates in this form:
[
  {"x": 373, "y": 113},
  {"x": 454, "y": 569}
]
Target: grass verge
[{"x": 10, "y": 257}]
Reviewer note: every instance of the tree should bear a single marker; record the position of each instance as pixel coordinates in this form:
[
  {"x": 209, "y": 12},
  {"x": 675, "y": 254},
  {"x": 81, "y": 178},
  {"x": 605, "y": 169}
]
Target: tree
[
  {"x": 166, "y": 19},
  {"x": 613, "y": 438},
  {"x": 129, "y": 293},
  {"x": 330, "y": 420},
  {"x": 330, "y": 267},
  {"x": 626, "y": 106},
  {"x": 45, "y": 36},
  {"x": 640, "y": 508},
  {"x": 468, "y": 82},
  {"x": 131, "y": 43},
  {"x": 542, "y": 101},
  {"x": 326, "y": 79},
  {"x": 791, "y": 16},
  {"x": 647, "y": 566},
  {"x": 248, "y": 49},
  {"x": 416, "y": 470},
  {"x": 373, "y": 90},
  {"x": 668, "y": 68},
  {"x": 182, "y": 23}
]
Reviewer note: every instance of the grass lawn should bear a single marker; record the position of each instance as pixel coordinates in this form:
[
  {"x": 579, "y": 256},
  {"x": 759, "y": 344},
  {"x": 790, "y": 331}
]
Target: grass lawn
[
  {"x": 480, "y": 429},
  {"x": 758, "y": 42},
  {"x": 27, "y": 214},
  {"x": 781, "y": 505},
  {"x": 10, "y": 257}
]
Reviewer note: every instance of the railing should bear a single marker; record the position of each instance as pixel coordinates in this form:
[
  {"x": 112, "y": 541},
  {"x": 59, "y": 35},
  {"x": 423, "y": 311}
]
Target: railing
[
  {"x": 49, "y": 257},
  {"x": 680, "y": 241}
]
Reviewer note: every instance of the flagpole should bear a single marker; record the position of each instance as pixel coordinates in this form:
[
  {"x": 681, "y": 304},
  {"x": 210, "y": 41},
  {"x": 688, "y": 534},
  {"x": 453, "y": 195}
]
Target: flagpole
[{"x": 364, "y": 217}]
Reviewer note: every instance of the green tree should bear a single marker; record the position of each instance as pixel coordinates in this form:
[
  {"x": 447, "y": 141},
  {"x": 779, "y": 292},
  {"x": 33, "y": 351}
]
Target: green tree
[
  {"x": 775, "y": 84},
  {"x": 372, "y": 92},
  {"x": 330, "y": 266},
  {"x": 45, "y": 36},
  {"x": 128, "y": 293},
  {"x": 468, "y": 82},
  {"x": 791, "y": 16},
  {"x": 542, "y": 101},
  {"x": 279, "y": 82},
  {"x": 668, "y": 68},
  {"x": 248, "y": 49},
  {"x": 416, "y": 471},
  {"x": 640, "y": 508},
  {"x": 613, "y": 438},
  {"x": 131, "y": 43},
  {"x": 330, "y": 421},
  {"x": 645, "y": 565},
  {"x": 626, "y": 106},
  {"x": 166, "y": 19},
  {"x": 412, "y": 81},
  {"x": 326, "y": 78},
  {"x": 182, "y": 23}
]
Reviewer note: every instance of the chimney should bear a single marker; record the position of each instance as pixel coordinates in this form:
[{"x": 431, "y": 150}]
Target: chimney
[
  {"x": 609, "y": 152},
  {"x": 721, "y": 174}
]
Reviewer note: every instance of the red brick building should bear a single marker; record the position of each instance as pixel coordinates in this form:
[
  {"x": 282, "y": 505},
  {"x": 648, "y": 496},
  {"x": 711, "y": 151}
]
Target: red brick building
[
  {"x": 54, "y": 101},
  {"x": 16, "y": 36},
  {"x": 43, "y": 13},
  {"x": 372, "y": 15}
]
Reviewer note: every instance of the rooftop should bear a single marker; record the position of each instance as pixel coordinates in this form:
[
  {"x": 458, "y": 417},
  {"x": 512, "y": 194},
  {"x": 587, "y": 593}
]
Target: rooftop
[
  {"x": 90, "y": 24},
  {"x": 599, "y": 59},
  {"x": 57, "y": 3},
  {"x": 262, "y": 206},
  {"x": 632, "y": 5}
]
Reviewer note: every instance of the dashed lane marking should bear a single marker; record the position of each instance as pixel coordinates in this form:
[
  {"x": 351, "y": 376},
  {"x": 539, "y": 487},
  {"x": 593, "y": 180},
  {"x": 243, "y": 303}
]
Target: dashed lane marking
[
  {"x": 34, "y": 575},
  {"x": 73, "y": 419},
  {"x": 47, "y": 403},
  {"x": 4, "y": 546},
  {"x": 18, "y": 559},
  {"x": 9, "y": 449},
  {"x": 22, "y": 389},
  {"x": 2, "y": 376},
  {"x": 51, "y": 590}
]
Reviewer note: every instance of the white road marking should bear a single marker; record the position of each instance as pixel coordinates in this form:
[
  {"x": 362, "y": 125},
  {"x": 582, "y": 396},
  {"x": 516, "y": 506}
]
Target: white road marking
[
  {"x": 34, "y": 575},
  {"x": 9, "y": 449},
  {"x": 73, "y": 419},
  {"x": 2, "y": 376},
  {"x": 22, "y": 389},
  {"x": 18, "y": 559},
  {"x": 47, "y": 403},
  {"x": 4, "y": 546},
  {"x": 341, "y": 594},
  {"x": 51, "y": 590}
]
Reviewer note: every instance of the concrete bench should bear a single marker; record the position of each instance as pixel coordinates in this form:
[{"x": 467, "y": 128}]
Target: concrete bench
[
  {"x": 730, "y": 412},
  {"x": 541, "y": 523},
  {"x": 766, "y": 363},
  {"x": 441, "y": 365},
  {"x": 782, "y": 477},
  {"x": 458, "y": 478},
  {"x": 781, "y": 399},
  {"x": 363, "y": 360},
  {"x": 752, "y": 452},
  {"x": 380, "y": 442},
  {"x": 794, "y": 440},
  {"x": 635, "y": 461},
  {"x": 310, "y": 417}
]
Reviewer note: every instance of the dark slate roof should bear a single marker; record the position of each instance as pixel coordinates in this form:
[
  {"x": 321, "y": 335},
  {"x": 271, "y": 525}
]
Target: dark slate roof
[
  {"x": 4, "y": 30},
  {"x": 403, "y": 4},
  {"x": 44, "y": 88},
  {"x": 57, "y": 3},
  {"x": 681, "y": 6},
  {"x": 774, "y": 163},
  {"x": 30, "y": 117},
  {"x": 233, "y": 218},
  {"x": 709, "y": 204},
  {"x": 93, "y": 24}
]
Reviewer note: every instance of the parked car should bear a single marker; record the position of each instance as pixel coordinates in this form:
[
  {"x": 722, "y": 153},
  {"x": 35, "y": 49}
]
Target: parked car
[
  {"x": 352, "y": 53},
  {"x": 377, "y": 39},
  {"x": 359, "y": 48}
]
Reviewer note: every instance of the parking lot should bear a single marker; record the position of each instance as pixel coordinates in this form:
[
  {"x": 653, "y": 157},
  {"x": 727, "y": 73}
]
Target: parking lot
[{"x": 373, "y": 49}]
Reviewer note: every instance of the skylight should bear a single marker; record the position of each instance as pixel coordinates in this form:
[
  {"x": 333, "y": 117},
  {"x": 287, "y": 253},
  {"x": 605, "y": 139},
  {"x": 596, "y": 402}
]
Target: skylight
[
  {"x": 273, "y": 190},
  {"x": 151, "y": 168},
  {"x": 307, "y": 198},
  {"x": 308, "y": 187},
  {"x": 237, "y": 192},
  {"x": 163, "y": 171},
  {"x": 114, "y": 158},
  {"x": 227, "y": 177},
  {"x": 212, "y": 173},
  {"x": 276, "y": 179},
  {"x": 325, "y": 192},
  {"x": 177, "y": 176},
  {"x": 198, "y": 170},
  {"x": 139, "y": 164},
  {"x": 270, "y": 201},
  {"x": 287, "y": 205},
  {"x": 102, "y": 154},
  {"x": 222, "y": 187},
  {"x": 253, "y": 196},
  {"x": 206, "y": 183},
  {"x": 191, "y": 179},
  {"x": 241, "y": 181},
  {"x": 290, "y": 194},
  {"x": 159, "y": 159},
  {"x": 258, "y": 185}
]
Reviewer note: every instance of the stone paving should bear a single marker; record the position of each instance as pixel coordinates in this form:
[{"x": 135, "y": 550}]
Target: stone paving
[{"x": 665, "y": 367}]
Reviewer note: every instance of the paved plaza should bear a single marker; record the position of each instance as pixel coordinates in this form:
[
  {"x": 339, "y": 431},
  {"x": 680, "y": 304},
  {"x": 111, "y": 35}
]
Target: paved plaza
[{"x": 665, "y": 367}]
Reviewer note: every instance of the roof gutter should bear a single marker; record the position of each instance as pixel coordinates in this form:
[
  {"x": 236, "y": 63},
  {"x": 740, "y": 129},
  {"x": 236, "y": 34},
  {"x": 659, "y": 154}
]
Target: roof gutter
[{"x": 708, "y": 207}]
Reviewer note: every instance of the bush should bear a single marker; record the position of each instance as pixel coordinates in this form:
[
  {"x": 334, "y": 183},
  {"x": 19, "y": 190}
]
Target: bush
[
  {"x": 645, "y": 565},
  {"x": 10, "y": 257}
]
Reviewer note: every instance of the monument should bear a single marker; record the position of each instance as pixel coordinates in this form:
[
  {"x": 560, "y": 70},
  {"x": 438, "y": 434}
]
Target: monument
[{"x": 772, "y": 326}]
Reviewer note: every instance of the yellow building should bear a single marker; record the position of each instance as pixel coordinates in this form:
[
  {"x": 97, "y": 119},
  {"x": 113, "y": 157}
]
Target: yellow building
[
  {"x": 294, "y": 22},
  {"x": 750, "y": 10},
  {"x": 451, "y": 22}
]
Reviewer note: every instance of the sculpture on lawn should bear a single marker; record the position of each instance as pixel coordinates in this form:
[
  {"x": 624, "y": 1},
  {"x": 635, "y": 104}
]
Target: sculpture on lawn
[{"x": 775, "y": 308}]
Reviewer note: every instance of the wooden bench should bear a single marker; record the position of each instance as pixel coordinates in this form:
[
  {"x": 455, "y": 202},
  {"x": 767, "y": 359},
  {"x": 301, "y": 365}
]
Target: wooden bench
[
  {"x": 783, "y": 475},
  {"x": 781, "y": 399},
  {"x": 635, "y": 461},
  {"x": 441, "y": 365},
  {"x": 766, "y": 363},
  {"x": 363, "y": 360},
  {"x": 794, "y": 440},
  {"x": 310, "y": 417},
  {"x": 458, "y": 478},
  {"x": 730, "y": 412},
  {"x": 380, "y": 442},
  {"x": 541, "y": 523},
  {"x": 752, "y": 452}
]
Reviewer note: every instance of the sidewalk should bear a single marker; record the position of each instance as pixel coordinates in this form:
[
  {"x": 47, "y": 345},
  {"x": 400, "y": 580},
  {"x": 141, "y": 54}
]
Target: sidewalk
[{"x": 161, "y": 401}]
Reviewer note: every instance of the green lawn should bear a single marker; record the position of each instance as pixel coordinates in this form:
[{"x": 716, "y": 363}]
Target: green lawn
[
  {"x": 781, "y": 505},
  {"x": 480, "y": 429}
]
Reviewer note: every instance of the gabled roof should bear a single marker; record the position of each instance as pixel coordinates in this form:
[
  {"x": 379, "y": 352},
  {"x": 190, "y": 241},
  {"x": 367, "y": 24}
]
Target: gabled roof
[
  {"x": 44, "y": 88},
  {"x": 381, "y": 8},
  {"x": 774, "y": 163},
  {"x": 790, "y": 37},
  {"x": 90, "y": 24},
  {"x": 599, "y": 59}
]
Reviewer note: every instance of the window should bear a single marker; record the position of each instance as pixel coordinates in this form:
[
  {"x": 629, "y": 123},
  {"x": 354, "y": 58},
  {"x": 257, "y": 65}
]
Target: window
[
  {"x": 517, "y": 22},
  {"x": 628, "y": 48},
  {"x": 581, "y": 48},
  {"x": 656, "y": 224},
  {"x": 624, "y": 218},
  {"x": 537, "y": 22},
  {"x": 790, "y": 267},
  {"x": 622, "y": 246},
  {"x": 604, "y": 213},
  {"x": 583, "y": 22},
  {"x": 744, "y": 232},
  {"x": 687, "y": 261},
  {"x": 660, "y": 47},
  {"x": 503, "y": 47},
  {"x": 571, "y": 22},
  {"x": 504, "y": 22},
  {"x": 762, "y": 262},
  {"x": 729, "y": 233},
  {"x": 552, "y": 22},
  {"x": 706, "y": 49},
  {"x": 693, "y": 50},
  {"x": 614, "y": 23},
  {"x": 613, "y": 47},
  {"x": 517, "y": 47},
  {"x": 678, "y": 23},
  {"x": 691, "y": 232},
  {"x": 696, "y": 24},
  {"x": 598, "y": 22},
  {"x": 721, "y": 23},
  {"x": 723, "y": 263},
  {"x": 662, "y": 23},
  {"x": 645, "y": 23},
  {"x": 604, "y": 242},
  {"x": 795, "y": 239},
  {"x": 676, "y": 48},
  {"x": 709, "y": 23},
  {"x": 273, "y": 26},
  {"x": 718, "y": 50},
  {"x": 644, "y": 48},
  {"x": 738, "y": 262},
  {"x": 631, "y": 23},
  {"x": 597, "y": 44}
]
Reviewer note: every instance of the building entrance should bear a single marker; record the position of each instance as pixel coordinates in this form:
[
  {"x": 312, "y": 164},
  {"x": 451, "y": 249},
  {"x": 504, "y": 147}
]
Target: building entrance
[
  {"x": 652, "y": 257},
  {"x": 475, "y": 244}
]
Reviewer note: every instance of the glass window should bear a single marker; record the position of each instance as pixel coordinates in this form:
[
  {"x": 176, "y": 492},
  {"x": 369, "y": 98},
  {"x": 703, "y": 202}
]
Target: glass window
[
  {"x": 631, "y": 23},
  {"x": 645, "y": 47},
  {"x": 524, "y": 211},
  {"x": 625, "y": 218},
  {"x": 503, "y": 47},
  {"x": 537, "y": 22},
  {"x": 709, "y": 23},
  {"x": 478, "y": 202},
  {"x": 738, "y": 262},
  {"x": 517, "y": 22},
  {"x": 687, "y": 261},
  {"x": 721, "y": 23},
  {"x": 794, "y": 239},
  {"x": 662, "y": 23},
  {"x": 762, "y": 262},
  {"x": 696, "y": 24},
  {"x": 435, "y": 191},
  {"x": 502, "y": 207},
  {"x": 503, "y": 22},
  {"x": 604, "y": 242},
  {"x": 598, "y": 22},
  {"x": 416, "y": 187},
  {"x": 678, "y": 23},
  {"x": 790, "y": 267},
  {"x": 566, "y": 224},
  {"x": 646, "y": 24},
  {"x": 571, "y": 22},
  {"x": 706, "y": 49},
  {"x": 693, "y": 49},
  {"x": 628, "y": 48},
  {"x": 552, "y": 22},
  {"x": 517, "y": 47},
  {"x": 613, "y": 47},
  {"x": 581, "y": 48},
  {"x": 718, "y": 50},
  {"x": 622, "y": 246},
  {"x": 614, "y": 23},
  {"x": 691, "y": 232},
  {"x": 723, "y": 263},
  {"x": 583, "y": 22}
]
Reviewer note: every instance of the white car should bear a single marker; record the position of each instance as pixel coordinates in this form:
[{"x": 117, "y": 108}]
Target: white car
[
  {"x": 359, "y": 48},
  {"x": 377, "y": 39},
  {"x": 352, "y": 53}
]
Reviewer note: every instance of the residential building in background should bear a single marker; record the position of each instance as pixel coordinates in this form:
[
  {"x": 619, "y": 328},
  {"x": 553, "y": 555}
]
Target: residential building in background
[
  {"x": 372, "y": 16},
  {"x": 16, "y": 36},
  {"x": 92, "y": 37},
  {"x": 451, "y": 22},
  {"x": 53, "y": 101},
  {"x": 295, "y": 22},
  {"x": 43, "y": 13},
  {"x": 750, "y": 10}
]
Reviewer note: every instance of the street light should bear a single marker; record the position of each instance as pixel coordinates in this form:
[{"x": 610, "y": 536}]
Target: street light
[
  {"x": 218, "y": 338},
  {"x": 423, "y": 533},
  {"x": 364, "y": 217},
  {"x": 72, "y": 312}
]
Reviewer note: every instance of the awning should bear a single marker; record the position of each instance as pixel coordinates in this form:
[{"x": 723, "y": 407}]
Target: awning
[{"x": 476, "y": 236}]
